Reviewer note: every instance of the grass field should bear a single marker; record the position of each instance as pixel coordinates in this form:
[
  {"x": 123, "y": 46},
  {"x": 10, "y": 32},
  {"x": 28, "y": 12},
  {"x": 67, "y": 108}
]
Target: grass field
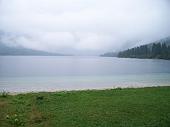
[{"x": 131, "y": 107}]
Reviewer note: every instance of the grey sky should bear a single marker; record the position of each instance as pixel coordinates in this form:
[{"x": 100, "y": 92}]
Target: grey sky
[{"x": 83, "y": 26}]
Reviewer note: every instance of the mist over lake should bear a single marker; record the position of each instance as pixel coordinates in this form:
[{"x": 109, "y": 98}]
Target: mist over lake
[{"x": 51, "y": 73}]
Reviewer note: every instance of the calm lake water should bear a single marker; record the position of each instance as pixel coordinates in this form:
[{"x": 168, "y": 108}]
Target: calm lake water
[{"x": 51, "y": 73}]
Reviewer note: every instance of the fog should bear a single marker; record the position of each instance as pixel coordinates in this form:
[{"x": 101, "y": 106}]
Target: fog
[{"x": 83, "y": 26}]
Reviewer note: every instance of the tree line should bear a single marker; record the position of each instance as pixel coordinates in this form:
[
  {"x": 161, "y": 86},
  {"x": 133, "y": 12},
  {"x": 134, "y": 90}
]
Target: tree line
[{"x": 155, "y": 50}]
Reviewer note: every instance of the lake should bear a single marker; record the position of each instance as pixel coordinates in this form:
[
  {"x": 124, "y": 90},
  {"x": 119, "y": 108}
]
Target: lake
[{"x": 52, "y": 73}]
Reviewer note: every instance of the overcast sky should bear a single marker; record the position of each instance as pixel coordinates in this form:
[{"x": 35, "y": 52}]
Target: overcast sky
[{"x": 83, "y": 26}]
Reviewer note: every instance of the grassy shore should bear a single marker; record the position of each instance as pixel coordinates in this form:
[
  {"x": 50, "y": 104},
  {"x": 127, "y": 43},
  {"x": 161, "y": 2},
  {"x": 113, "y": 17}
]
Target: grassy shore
[{"x": 130, "y": 107}]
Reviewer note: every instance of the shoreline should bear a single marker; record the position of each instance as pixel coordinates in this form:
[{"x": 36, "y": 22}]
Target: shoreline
[{"x": 79, "y": 90}]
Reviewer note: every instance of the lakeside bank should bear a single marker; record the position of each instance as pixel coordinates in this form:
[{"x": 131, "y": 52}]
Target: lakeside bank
[{"x": 112, "y": 107}]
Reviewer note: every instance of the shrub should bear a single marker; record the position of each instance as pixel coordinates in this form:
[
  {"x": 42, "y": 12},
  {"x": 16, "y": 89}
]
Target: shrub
[
  {"x": 39, "y": 98},
  {"x": 4, "y": 94},
  {"x": 118, "y": 88}
]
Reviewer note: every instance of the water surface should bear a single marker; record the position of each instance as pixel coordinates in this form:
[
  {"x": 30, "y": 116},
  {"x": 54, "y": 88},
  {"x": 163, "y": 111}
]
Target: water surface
[{"x": 50, "y": 73}]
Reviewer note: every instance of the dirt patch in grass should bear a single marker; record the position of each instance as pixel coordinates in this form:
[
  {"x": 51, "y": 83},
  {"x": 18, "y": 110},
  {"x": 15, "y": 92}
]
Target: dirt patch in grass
[
  {"x": 36, "y": 116},
  {"x": 3, "y": 104}
]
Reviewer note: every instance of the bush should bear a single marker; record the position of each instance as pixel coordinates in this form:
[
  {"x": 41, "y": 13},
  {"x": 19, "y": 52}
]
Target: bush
[
  {"x": 118, "y": 88},
  {"x": 39, "y": 98},
  {"x": 4, "y": 94}
]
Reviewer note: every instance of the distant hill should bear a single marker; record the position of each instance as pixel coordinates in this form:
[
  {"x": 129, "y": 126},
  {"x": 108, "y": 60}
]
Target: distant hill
[
  {"x": 7, "y": 50},
  {"x": 157, "y": 50}
]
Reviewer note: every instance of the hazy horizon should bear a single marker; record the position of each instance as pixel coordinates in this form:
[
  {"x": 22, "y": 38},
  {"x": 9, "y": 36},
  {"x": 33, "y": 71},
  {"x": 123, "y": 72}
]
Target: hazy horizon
[{"x": 78, "y": 27}]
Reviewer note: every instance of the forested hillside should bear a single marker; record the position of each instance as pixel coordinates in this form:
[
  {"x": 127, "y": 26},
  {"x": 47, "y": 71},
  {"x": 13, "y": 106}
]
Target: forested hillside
[{"x": 158, "y": 50}]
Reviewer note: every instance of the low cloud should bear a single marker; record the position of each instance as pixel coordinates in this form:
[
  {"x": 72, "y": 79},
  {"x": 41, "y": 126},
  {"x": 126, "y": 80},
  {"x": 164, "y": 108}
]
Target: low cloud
[{"x": 77, "y": 26}]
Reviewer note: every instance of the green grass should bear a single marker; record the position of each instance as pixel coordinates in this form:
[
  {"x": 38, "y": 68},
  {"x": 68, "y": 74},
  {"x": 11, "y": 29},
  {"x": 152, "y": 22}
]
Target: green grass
[{"x": 138, "y": 107}]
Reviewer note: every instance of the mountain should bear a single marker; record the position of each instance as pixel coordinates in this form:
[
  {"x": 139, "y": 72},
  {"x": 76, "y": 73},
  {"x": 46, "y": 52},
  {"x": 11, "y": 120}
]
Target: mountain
[
  {"x": 157, "y": 50},
  {"x": 8, "y": 50}
]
